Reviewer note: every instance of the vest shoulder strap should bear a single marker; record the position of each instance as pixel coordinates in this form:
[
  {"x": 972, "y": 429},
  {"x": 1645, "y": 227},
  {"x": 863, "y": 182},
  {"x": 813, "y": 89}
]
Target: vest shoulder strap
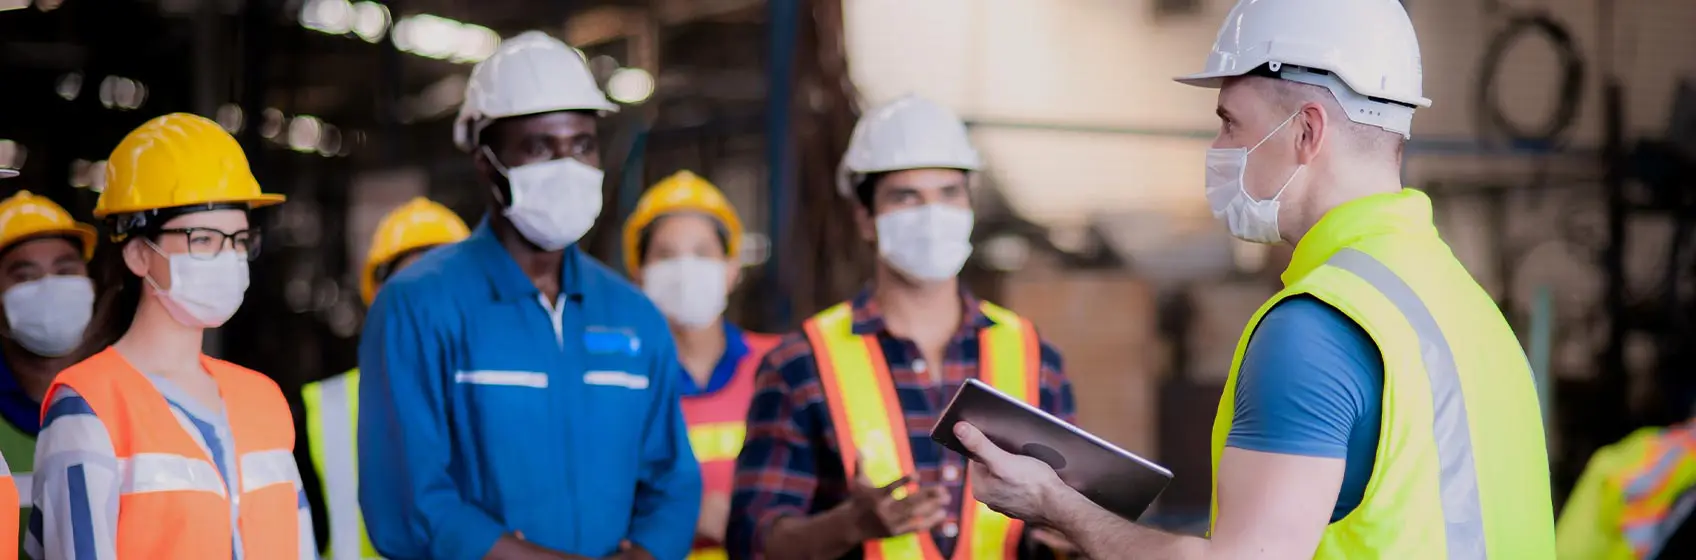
[
  {"x": 1010, "y": 354},
  {"x": 858, "y": 392},
  {"x": 255, "y": 406},
  {"x": 760, "y": 343},
  {"x": 135, "y": 413}
]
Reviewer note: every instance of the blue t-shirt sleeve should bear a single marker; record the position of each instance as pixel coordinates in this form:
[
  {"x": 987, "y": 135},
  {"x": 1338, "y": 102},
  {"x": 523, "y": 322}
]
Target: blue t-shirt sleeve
[{"x": 1308, "y": 379}]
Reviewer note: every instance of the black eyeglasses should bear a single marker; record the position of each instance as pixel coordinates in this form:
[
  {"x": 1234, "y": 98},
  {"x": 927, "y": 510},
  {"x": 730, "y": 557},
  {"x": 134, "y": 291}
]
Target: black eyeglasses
[{"x": 206, "y": 243}]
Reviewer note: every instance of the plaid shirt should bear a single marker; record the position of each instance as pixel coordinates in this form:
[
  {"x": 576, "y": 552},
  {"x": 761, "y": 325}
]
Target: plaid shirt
[{"x": 790, "y": 463}]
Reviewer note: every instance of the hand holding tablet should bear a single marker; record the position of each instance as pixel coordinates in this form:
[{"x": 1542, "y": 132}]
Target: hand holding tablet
[{"x": 1117, "y": 480}]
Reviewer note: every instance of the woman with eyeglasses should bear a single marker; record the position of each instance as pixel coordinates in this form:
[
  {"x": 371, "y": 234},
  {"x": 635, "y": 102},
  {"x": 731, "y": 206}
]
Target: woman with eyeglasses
[{"x": 150, "y": 448}]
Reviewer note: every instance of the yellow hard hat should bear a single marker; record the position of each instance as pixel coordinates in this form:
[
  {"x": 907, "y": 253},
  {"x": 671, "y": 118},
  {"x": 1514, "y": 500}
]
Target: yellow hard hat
[
  {"x": 178, "y": 160},
  {"x": 418, "y": 224},
  {"x": 25, "y": 215},
  {"x": 681, "y": 192}
]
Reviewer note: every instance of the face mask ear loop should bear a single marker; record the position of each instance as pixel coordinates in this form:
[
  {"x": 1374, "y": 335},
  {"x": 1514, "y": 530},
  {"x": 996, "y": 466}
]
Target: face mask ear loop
[
  {"x": 1299, "y": 168},
  {"x": 1274, "y": 131},
  {"x": 151, "y": 283},
  {"x": 1242, "y": 181},
  {"x": 499, "y": 168}
]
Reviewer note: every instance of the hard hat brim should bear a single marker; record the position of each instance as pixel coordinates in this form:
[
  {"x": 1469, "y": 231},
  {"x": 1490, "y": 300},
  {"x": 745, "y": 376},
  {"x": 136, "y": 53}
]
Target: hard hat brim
[
  {"x": 88, "y": 236},
  {"x": 468, "y": 127},
  {"x": 264, "y": 200},
  {"x": 1210, "y": 80},
  {"x": 1216, "y": 80},
  {"x": 8, "y": 173},
  {"x": 252, "y": 202},
  {"x": 83, "y": 233}
]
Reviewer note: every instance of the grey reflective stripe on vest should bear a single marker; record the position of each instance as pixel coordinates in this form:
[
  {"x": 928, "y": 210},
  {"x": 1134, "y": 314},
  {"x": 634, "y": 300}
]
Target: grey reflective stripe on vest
[
  {"x": 1463, "y": 516},
  {"x": 341, "y": 482}
]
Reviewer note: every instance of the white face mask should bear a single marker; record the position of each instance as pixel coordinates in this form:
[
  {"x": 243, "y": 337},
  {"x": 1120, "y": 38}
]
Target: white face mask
[
  {"x": 1255, "y": 221},
  {"x": 204, "y": 293},
  {"x": 553, "y": 202},
  {"x": 692, "y": 291},
  {"x": 48, "y": 315},
  {"x": 926, "y": 243}
]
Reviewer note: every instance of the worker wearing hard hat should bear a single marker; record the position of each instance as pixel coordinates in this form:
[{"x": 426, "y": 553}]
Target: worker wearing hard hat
[
  {"x": 839, "y": 457},
  {"x": 332, "y": 405},
  {"x": 1379, "y": 406},
  {"x": 48, "y": 298},
  {"x": 518, "y": 398},
  {"x": 682, "y": 244},
  {"x": 150, "y": 448}
]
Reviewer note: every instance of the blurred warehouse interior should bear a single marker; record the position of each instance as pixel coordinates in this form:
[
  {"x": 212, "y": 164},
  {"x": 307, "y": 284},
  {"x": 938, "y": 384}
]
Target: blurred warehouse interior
[{"x": 1561, "y": 153}]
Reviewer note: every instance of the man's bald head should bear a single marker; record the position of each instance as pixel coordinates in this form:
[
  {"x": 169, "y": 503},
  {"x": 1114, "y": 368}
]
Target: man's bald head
[{"x": 1362, "y": 140}]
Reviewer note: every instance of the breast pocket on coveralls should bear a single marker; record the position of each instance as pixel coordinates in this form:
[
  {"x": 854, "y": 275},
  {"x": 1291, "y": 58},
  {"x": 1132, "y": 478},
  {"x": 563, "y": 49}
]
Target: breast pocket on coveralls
[{"x": 616, "y": 379}]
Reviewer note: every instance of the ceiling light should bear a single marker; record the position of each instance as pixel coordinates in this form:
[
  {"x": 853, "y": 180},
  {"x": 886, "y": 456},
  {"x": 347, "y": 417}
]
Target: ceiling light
[
  {"x": 335, "y": 17},
  {"x": 12, "y": 154},
  {"x": 445, "y": 39},
  {"x": 70, "y": 85},
  {"x": 370, "y": 21},
  {"x": 304, "y": 133},
  {"x": 272, "y": 125},
  {"x": 230, "y": 117},
  {"x": 476, "y": 43},
  {"x": 630, "y": 86}
]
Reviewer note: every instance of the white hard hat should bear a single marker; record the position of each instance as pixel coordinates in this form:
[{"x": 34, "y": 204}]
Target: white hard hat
[
  {"x": 529, "y": 74},
  {"x": 6, "y": 173},
  {"x": 908, "y": 133},
  {"x": 1364, "y": 51}
]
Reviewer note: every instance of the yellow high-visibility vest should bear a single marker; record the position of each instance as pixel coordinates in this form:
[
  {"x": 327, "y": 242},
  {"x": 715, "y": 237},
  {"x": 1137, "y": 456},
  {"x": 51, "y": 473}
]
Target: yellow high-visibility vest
[
  {"x": 871, "y": 428},
  {"x": 1461, "y": 470},
  {"x": 332, "y": 422}
]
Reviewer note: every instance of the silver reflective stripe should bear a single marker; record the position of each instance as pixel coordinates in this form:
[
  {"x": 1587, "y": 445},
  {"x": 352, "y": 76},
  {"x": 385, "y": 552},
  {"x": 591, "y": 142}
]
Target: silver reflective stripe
[
  {"x": 341, "y": 490},
  {"x": 164, "y": 472},
  {"x": 1463, "y": 516},
  {"x": 263, "y": 469}
]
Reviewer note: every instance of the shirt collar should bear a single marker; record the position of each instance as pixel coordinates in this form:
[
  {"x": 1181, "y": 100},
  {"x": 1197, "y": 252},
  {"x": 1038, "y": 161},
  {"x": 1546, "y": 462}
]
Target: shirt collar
[
  {"x": 1405, "y": 212},
  {"x": 509, "y": 281},
  {"x": 735, "y": 348},
  {"x": 868, "y": 319},
  {"x": 16, "y": 406}
]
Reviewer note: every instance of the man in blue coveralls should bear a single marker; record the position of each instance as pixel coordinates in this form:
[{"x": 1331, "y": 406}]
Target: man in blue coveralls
[{"x": 519, "y": 400}]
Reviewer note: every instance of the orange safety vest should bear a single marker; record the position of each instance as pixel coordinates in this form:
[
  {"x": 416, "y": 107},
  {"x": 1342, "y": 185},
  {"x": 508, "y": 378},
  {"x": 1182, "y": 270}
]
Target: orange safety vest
[
  {"x": 1651, "y": 487},
  {"x": 173, "y": 502},
  {"x": 9, "y": 510},
  {"x": 871, "y": 428},
  {"x": 717, "y": 424}
]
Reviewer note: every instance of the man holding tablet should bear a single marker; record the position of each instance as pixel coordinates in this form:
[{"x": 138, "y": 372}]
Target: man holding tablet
[
  {"x": 1379, "y": 406},
  {"x": 838, "y": 461}
]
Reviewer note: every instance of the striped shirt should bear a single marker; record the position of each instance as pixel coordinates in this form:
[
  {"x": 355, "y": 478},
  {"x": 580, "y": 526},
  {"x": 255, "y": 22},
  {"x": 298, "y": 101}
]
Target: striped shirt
[
  {"x": 791, "y": 464},
  {"x": 77, "y": 472}
]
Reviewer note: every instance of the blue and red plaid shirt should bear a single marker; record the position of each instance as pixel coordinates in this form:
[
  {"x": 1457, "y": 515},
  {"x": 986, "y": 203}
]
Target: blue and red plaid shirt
[{"x": 790, "y": 463}]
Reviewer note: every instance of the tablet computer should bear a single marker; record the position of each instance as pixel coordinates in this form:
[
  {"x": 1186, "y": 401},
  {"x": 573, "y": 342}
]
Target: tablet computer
[{"x": 1117, "y": 480}]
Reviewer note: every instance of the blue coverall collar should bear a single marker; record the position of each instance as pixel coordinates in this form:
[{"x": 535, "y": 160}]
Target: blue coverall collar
[{"x": 509, "y": 282}]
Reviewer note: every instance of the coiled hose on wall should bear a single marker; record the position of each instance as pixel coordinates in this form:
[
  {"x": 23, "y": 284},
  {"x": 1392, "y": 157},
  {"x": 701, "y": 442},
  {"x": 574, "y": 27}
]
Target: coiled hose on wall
[{"x": 1571, "y": 87}]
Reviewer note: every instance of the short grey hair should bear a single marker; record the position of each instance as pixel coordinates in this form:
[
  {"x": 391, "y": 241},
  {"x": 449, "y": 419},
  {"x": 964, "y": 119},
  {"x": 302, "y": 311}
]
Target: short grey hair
[{"x": 1361, "y": 138}]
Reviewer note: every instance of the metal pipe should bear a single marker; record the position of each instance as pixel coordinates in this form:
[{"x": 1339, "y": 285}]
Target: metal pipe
[
  {"x": 783, "y": 23},
  {"x": 1416, "y": 146},
  {"x": 1540, "y": 345},
  {"x": 1613, "y": 420}
]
